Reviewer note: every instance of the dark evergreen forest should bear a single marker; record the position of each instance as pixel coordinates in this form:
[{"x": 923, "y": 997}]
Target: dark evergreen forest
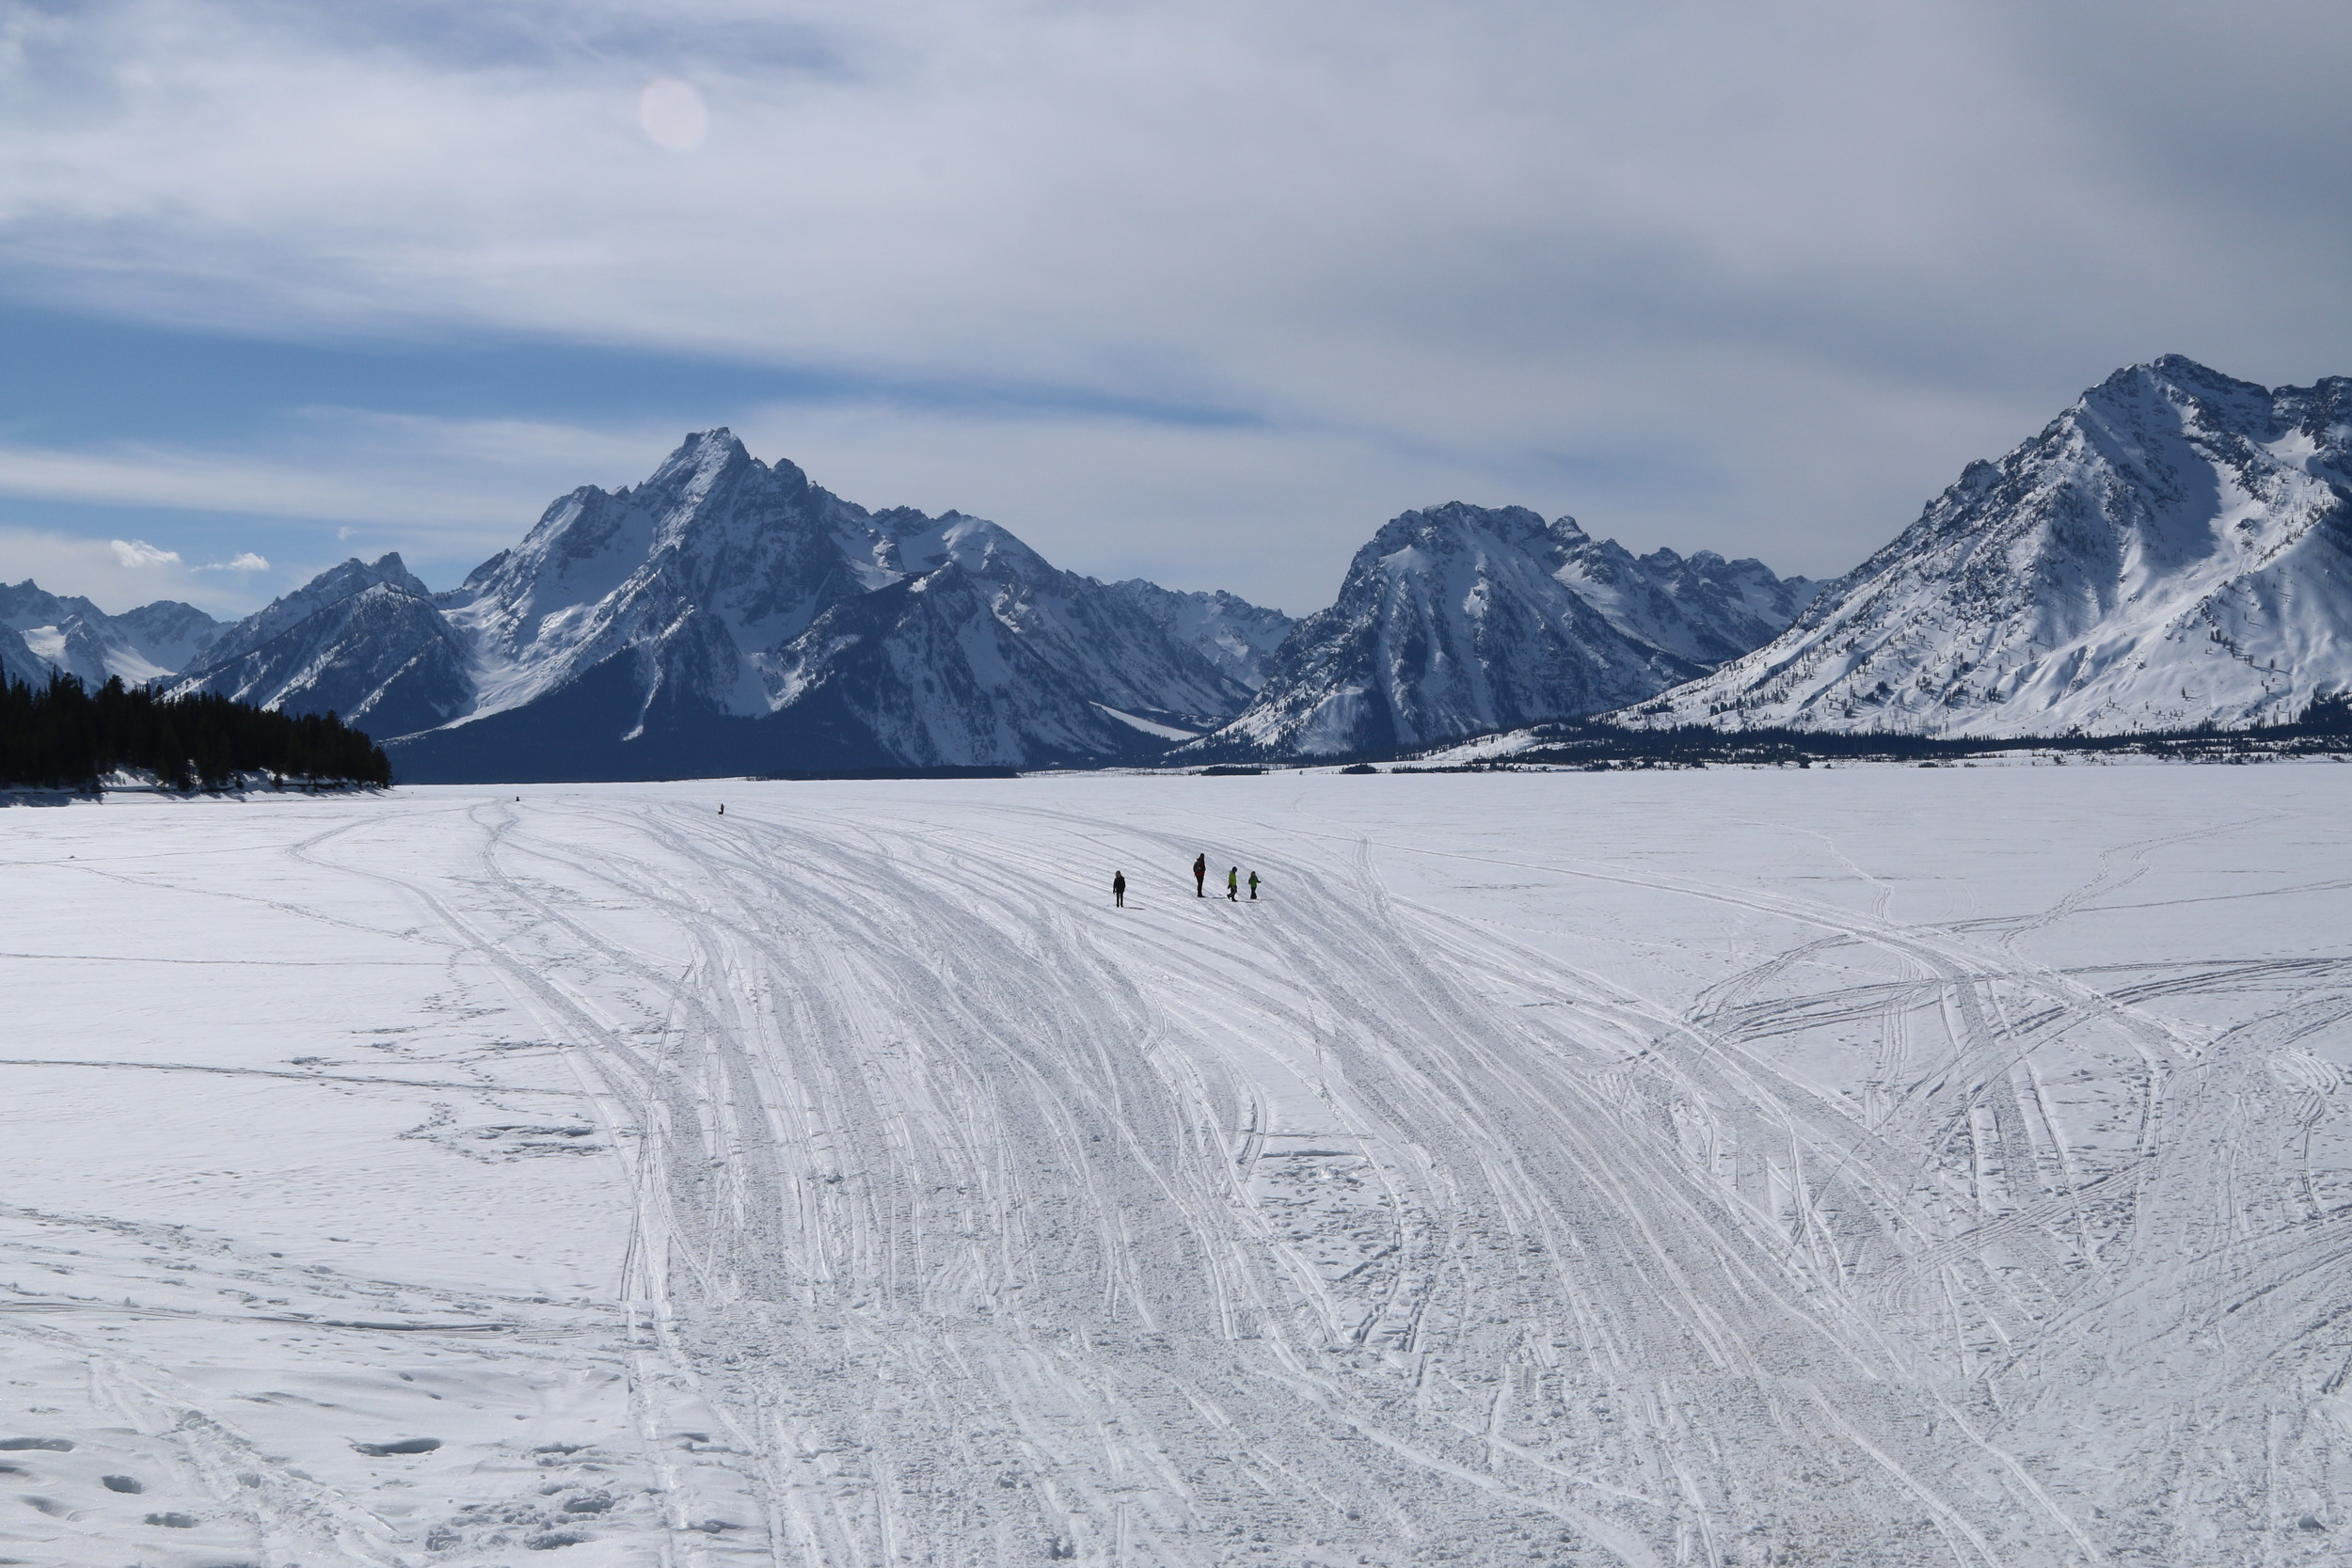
[{"x": 65, "y": 737}]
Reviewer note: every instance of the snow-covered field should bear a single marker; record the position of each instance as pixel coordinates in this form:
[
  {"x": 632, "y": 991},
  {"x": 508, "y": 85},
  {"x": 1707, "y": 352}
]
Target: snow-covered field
[{"x": 1856, "y": 1165}]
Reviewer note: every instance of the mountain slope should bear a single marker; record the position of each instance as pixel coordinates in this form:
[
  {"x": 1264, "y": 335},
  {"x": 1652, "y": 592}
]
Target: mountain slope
[
  {"x": 70, "y": 634},
  {"x": 1462, "y": 621},
  {"x": 727, "y": 615},
  {"x": 362, "y": 640},
  {"x": 1451, "y": 621},
  {"x": 18, "y": 662},
  {"x": 1700, "y": 608},
  {"x": 1237, "y": 637},
  {"x": 2174, "y": 549}
]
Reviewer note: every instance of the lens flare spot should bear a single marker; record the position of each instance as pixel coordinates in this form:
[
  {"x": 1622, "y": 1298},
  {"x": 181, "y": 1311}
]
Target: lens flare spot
[{"x": 672, "y": 114}]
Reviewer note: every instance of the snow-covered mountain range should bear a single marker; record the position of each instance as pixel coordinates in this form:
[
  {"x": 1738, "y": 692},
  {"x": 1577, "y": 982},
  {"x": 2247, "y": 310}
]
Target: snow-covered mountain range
[
  {"x": 49, "y": 632},
  {"x": 1461, "y": 620},
  {"x": 729, "y": 616},
  {"x": 2174, "y": 549}
]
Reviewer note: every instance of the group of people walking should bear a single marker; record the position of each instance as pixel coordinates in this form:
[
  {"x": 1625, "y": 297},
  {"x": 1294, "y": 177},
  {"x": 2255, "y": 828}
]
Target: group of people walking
[{"x": 1233, "y": 883}]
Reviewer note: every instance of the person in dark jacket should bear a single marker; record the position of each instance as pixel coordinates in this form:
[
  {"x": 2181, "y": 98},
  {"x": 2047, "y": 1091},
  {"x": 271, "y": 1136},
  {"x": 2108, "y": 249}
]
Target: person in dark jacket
[
  {"x": 1253, "y": 886},
  {"x": 1118, "y": 890},
  {"x": 1233, "y": 883},
  {"x": 1200, "y": 876}
]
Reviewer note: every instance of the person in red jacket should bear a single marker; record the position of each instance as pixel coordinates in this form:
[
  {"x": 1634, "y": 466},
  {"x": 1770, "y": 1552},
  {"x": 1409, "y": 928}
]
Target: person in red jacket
[{"x": 1200, "y": 876}]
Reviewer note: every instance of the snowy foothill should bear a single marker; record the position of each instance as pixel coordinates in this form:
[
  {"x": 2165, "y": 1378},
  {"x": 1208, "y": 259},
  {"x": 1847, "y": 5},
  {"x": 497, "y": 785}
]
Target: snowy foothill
[{"x": 1866, "y": 1166}]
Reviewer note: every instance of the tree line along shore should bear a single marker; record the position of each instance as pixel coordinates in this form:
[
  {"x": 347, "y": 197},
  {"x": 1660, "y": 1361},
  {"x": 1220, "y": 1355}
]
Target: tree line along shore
[{"x": 64, "y": 735}]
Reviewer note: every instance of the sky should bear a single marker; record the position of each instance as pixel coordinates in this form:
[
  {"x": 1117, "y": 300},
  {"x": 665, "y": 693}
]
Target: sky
[{"x": 1198, "y": 292}]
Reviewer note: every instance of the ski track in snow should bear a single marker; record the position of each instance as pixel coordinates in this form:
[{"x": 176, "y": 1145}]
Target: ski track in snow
[{"x": 1732, "y": 1168}]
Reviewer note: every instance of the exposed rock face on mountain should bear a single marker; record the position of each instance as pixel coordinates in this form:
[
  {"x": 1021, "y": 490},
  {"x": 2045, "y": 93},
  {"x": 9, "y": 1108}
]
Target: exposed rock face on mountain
[
  {"x": 365, "y": 642},
  {"x": 729, "y": 616},
  {"x": 1236, "y": 636},
  {"x": 983, "y": 651},
  {"x": 1459, "y": 620},
  {"x": 72, "y": 635},
  {"x": 2174, "y": 549},
  {"x": 1701, "y": 607}
]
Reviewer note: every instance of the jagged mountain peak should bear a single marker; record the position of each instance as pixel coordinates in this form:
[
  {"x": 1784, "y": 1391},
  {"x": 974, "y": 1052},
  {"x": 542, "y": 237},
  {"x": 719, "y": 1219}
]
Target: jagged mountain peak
[
  {"x": 1457, "y": 620},
  {"x": 1454, "y": 525},
  {"x": 69, "y": 634},
  {"x": 707, "y": 460},
  {"x": 726, "y": 613},
  {"x": 984, "y": 549},
  {"x": 2179, "y": 369},
  {"x": 2174, "y": 548},
  {"x": 344, "y": 580}
]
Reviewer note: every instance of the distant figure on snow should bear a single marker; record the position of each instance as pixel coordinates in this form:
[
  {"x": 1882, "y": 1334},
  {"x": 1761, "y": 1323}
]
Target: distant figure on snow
[
  {"x": 1233, "y": 883},
  {"x": 1253, "y": 886},
  {"x": 1118, "y": 890},
  {"x": 1200, "y": 876},
  {"x": 723, "y": 808}
]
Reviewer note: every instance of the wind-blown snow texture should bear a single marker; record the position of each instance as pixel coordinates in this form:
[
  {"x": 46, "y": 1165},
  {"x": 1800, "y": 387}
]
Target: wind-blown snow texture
[
  {"x": 72, "y": 636},
  {"x": 1918, "y": 1169},
  {"x": 729, "y": 616},
  {"x": 1461, "y": 620},
  {"x": 2176, "y": 548}
]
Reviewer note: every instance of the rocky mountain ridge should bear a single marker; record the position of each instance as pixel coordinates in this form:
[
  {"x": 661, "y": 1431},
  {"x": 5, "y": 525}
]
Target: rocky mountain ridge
[
  {"x": 1461, "y": 620},
  {"x": 69, "y": 633},
  {"x": 727, "y": 615},
  {"x": 2175, "y": 549}
]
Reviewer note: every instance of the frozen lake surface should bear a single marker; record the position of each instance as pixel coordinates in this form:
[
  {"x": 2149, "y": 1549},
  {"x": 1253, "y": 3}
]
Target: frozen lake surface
[{"x": 1868, "y": 1166}]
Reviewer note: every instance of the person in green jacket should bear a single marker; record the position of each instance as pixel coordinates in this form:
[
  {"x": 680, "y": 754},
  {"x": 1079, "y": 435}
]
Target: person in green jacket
[
  {"x": 1253, "y": 886},
  {"x": 1233, "y": 883}
]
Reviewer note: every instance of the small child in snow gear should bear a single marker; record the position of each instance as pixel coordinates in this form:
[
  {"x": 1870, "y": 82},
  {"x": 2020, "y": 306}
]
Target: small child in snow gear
[
  {"x": 1118, "y": 890},
  {"x": 1233, "y": 883},
  {"x": 1253, "y": 885},
  {"x": 1200, "y": 875},
  {"x": 723, "y": 808}
]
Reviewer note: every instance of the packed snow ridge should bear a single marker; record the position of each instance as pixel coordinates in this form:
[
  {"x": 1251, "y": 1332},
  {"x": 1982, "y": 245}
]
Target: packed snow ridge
[{"x": 2174, "y": 550}]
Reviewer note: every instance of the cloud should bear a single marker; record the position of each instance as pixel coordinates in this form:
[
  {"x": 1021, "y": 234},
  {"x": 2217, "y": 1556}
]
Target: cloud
[
  {"x": 116, "y": 573},
  {"x": 247, "y": 561},
  {"x": 1755, "y": 276},
  {"x": 138, "y": 553}
]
